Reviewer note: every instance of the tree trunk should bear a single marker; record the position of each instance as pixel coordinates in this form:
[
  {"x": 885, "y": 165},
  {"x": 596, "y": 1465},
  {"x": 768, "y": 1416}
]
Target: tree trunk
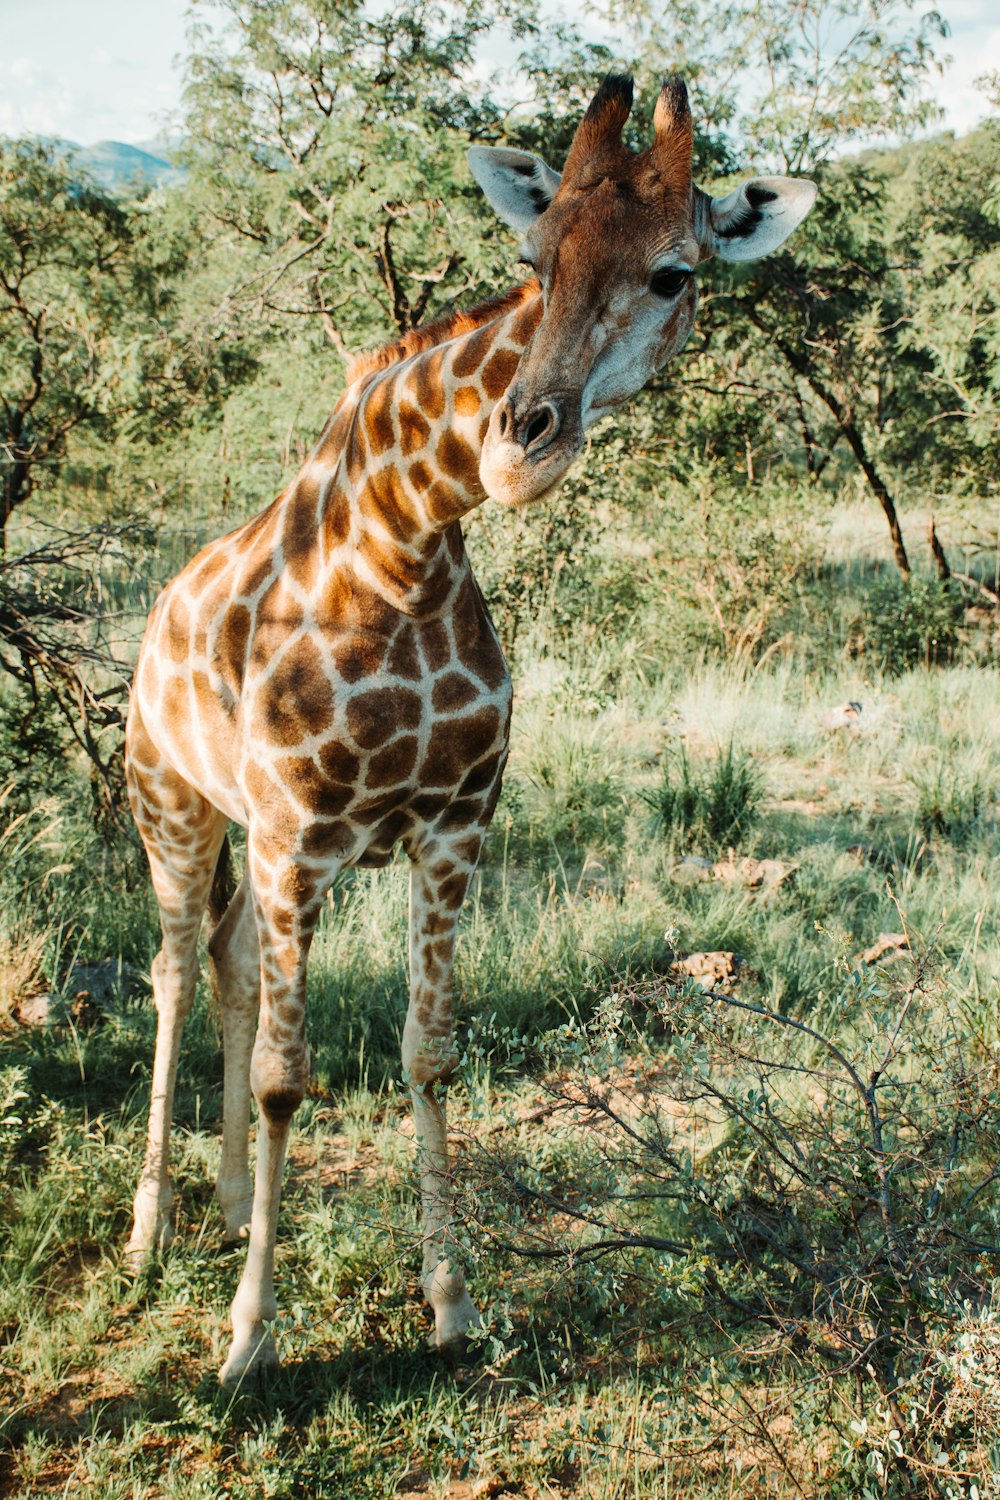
[
  {"x": 873, "y": 477},
  {"x": 856, "y": 444},
  {"x": 15, "y": 486},
  {"x": 938, "y": 554}
]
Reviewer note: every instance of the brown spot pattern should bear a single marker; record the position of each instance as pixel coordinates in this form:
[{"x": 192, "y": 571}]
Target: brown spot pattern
[
  {"x": 231, "y": 645},
  {"x": 339, "y": 763},
  {"x": 467, "y": 401},
  {"x": 298, "y": 535},
  {"x": 403, "y": 660},
  {"x": 394, "y": 764},
  {"x": 458, "y": 459},
  {"x": 452, "y": 692},
  {"x": 374, "y": 716},
  {"x": 297, "y": 699},
  {"x": 414, "y": 430},
  {"x": 498, "y": 372},
  {"x": 453, "y": 746},
  {"x": 378, "y": 417},
  {"x": 435, "y": 645},
  {"x": 313, "y": 786}
]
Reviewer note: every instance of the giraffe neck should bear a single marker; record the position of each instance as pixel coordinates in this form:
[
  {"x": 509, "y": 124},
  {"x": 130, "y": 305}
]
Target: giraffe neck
[{"x": 398, "y": 465}]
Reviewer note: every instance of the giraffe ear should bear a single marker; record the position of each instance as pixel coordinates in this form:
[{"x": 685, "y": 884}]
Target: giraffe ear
[
  {"x": 517, "y": 185},
  {"x": 758, "y": 216}
]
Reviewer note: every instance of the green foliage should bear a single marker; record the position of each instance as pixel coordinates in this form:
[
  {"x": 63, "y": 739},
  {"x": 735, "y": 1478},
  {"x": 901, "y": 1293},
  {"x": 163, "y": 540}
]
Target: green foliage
[
  {"x": 33, "y": 746},
  {"x": 538, "y": 568},
  {"x": 93, "y": 344},
  {"x": 951, "y": 802},
  {"x": 62, "y": 244},
  {"x": 714, "y": 806},
  {"x": 909, "y": 622}
]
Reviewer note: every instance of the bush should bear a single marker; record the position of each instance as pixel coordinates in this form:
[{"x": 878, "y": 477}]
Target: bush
[
  {"x": 812, "y": 1204},
  {"x": 909, "y": 623},
  {"x": 33, "y": 748},
  {"x": 716, "y": 806},
  {"x": 950, "y": 804},
  {"x": 536, "y": 565},
  {"x": 732, "y": 561}
]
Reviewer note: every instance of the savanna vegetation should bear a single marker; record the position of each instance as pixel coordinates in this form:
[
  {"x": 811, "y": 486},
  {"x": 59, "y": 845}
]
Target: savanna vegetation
[{"x": 727, "y": 1122}]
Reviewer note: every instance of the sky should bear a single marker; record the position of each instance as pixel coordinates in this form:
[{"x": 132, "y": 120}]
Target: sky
[{"x": 93, "y": 70}]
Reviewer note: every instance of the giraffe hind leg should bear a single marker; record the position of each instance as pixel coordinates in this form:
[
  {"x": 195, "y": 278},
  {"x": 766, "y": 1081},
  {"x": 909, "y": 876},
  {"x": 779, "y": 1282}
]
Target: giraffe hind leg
[
  {"x": 183, "y": 834},
  {"x": 429, "y": 1059},
  {"x": 234, "y": 949}
]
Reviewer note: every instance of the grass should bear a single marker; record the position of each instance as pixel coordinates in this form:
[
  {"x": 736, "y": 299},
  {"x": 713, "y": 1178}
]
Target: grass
[
  {"x": 109, "y": 1385},
  {"x": 716, "y": 807}
]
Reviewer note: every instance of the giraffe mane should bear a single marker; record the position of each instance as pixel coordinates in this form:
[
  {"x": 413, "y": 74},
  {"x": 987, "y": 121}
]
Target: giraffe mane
[{"x": 448, "y": 326}]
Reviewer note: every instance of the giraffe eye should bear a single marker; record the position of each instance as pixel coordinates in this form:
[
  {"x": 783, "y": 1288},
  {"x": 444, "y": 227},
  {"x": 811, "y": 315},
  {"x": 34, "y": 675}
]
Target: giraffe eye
[{"x": 669, "y": 281}]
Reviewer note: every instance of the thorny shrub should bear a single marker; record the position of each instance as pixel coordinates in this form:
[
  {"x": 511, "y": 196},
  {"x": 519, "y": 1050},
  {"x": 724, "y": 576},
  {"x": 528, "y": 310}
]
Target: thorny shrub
[{"x": 815, "y": 1200}]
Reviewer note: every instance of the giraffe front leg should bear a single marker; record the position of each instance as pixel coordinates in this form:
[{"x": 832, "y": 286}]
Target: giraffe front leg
[
  {"x": 279, "y": 1073},
  {"x": 438, "y": 884}
]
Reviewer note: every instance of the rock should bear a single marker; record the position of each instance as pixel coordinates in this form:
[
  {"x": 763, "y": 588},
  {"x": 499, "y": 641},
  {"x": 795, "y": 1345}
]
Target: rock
[
  {"x": 889, "y": 947},
  {"x": 102, "y": 983},
  {"x": 844, "y": 716},
  {"x": 90, "y": 991},
  {"x": 708, "y": 969},
  {"x": 753, "y": 873},
  {"x": 691, "y": 870},
  {"x": 41, "y": 1010}
]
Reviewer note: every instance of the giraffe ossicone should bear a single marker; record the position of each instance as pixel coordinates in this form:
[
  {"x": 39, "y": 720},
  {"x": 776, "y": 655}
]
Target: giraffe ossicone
[{"x": 328, "y": 676}]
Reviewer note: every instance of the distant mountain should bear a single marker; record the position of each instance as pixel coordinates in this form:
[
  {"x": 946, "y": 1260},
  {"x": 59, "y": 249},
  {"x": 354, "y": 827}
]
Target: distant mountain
[{"x": 120, "y": 168}]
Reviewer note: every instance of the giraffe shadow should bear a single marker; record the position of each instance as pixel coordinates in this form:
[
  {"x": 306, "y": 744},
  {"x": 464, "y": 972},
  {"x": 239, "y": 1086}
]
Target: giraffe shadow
[{"x": 302, "y": 1389}]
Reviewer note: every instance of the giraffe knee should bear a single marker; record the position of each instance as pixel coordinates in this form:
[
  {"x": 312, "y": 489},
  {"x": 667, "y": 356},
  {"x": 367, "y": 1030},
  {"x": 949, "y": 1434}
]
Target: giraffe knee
[
  {"x": 173, "y": 983},
  {"x": 279, "y": 1079}
]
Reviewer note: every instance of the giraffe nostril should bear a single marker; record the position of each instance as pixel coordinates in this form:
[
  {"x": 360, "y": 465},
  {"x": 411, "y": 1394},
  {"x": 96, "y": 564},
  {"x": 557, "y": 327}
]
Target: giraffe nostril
[
  {"x": 504, "y": 422},
  {"x": 537, "y": 427},
  {"x": 540, "y": 427}
]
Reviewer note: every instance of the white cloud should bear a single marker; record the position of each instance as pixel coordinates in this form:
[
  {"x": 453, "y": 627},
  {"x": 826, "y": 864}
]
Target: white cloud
[
  {"x": 104, "y": 69},
  {"x": 975, "y": 51},
  {"x": 100, "y": 70}
]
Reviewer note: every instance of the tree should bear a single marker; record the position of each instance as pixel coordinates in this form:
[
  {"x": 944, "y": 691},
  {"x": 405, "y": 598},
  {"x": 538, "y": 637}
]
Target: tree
[
  {"x": 831, "y": 310},
  {"x": 63, "y": 246},
  {"x": 814, "y": 336},
  {"x": 327, "y": 145}
]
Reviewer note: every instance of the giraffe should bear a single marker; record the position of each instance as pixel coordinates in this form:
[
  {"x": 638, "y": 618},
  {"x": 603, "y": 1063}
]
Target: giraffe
[{"x": 328, "y": 676}]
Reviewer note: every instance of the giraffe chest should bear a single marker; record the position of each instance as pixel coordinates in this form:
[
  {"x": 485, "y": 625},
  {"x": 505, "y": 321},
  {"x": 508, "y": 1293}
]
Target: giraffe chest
[{"x": 357, "y": 738}]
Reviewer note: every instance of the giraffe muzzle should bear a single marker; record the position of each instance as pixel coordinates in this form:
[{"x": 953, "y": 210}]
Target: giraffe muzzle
[{"x": 528, "y": 447}]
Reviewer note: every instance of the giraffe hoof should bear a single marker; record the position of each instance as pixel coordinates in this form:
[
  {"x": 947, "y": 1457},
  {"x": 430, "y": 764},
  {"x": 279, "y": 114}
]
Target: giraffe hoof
[
  {"x": 248, "y": 1363},
  {"x": 134, "y": 1257},
  {"x": 237, "y": 1227},
  {"x": 236, "y": 1201},
  {"x": 458, "y": 1350},
  {"x": 144, "y": 1245},
  {"x": 454, "y": 1324}
]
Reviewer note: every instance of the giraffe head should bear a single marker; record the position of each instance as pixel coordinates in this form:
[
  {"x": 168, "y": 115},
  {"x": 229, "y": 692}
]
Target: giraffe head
[{"x": 615, "y": 241}]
